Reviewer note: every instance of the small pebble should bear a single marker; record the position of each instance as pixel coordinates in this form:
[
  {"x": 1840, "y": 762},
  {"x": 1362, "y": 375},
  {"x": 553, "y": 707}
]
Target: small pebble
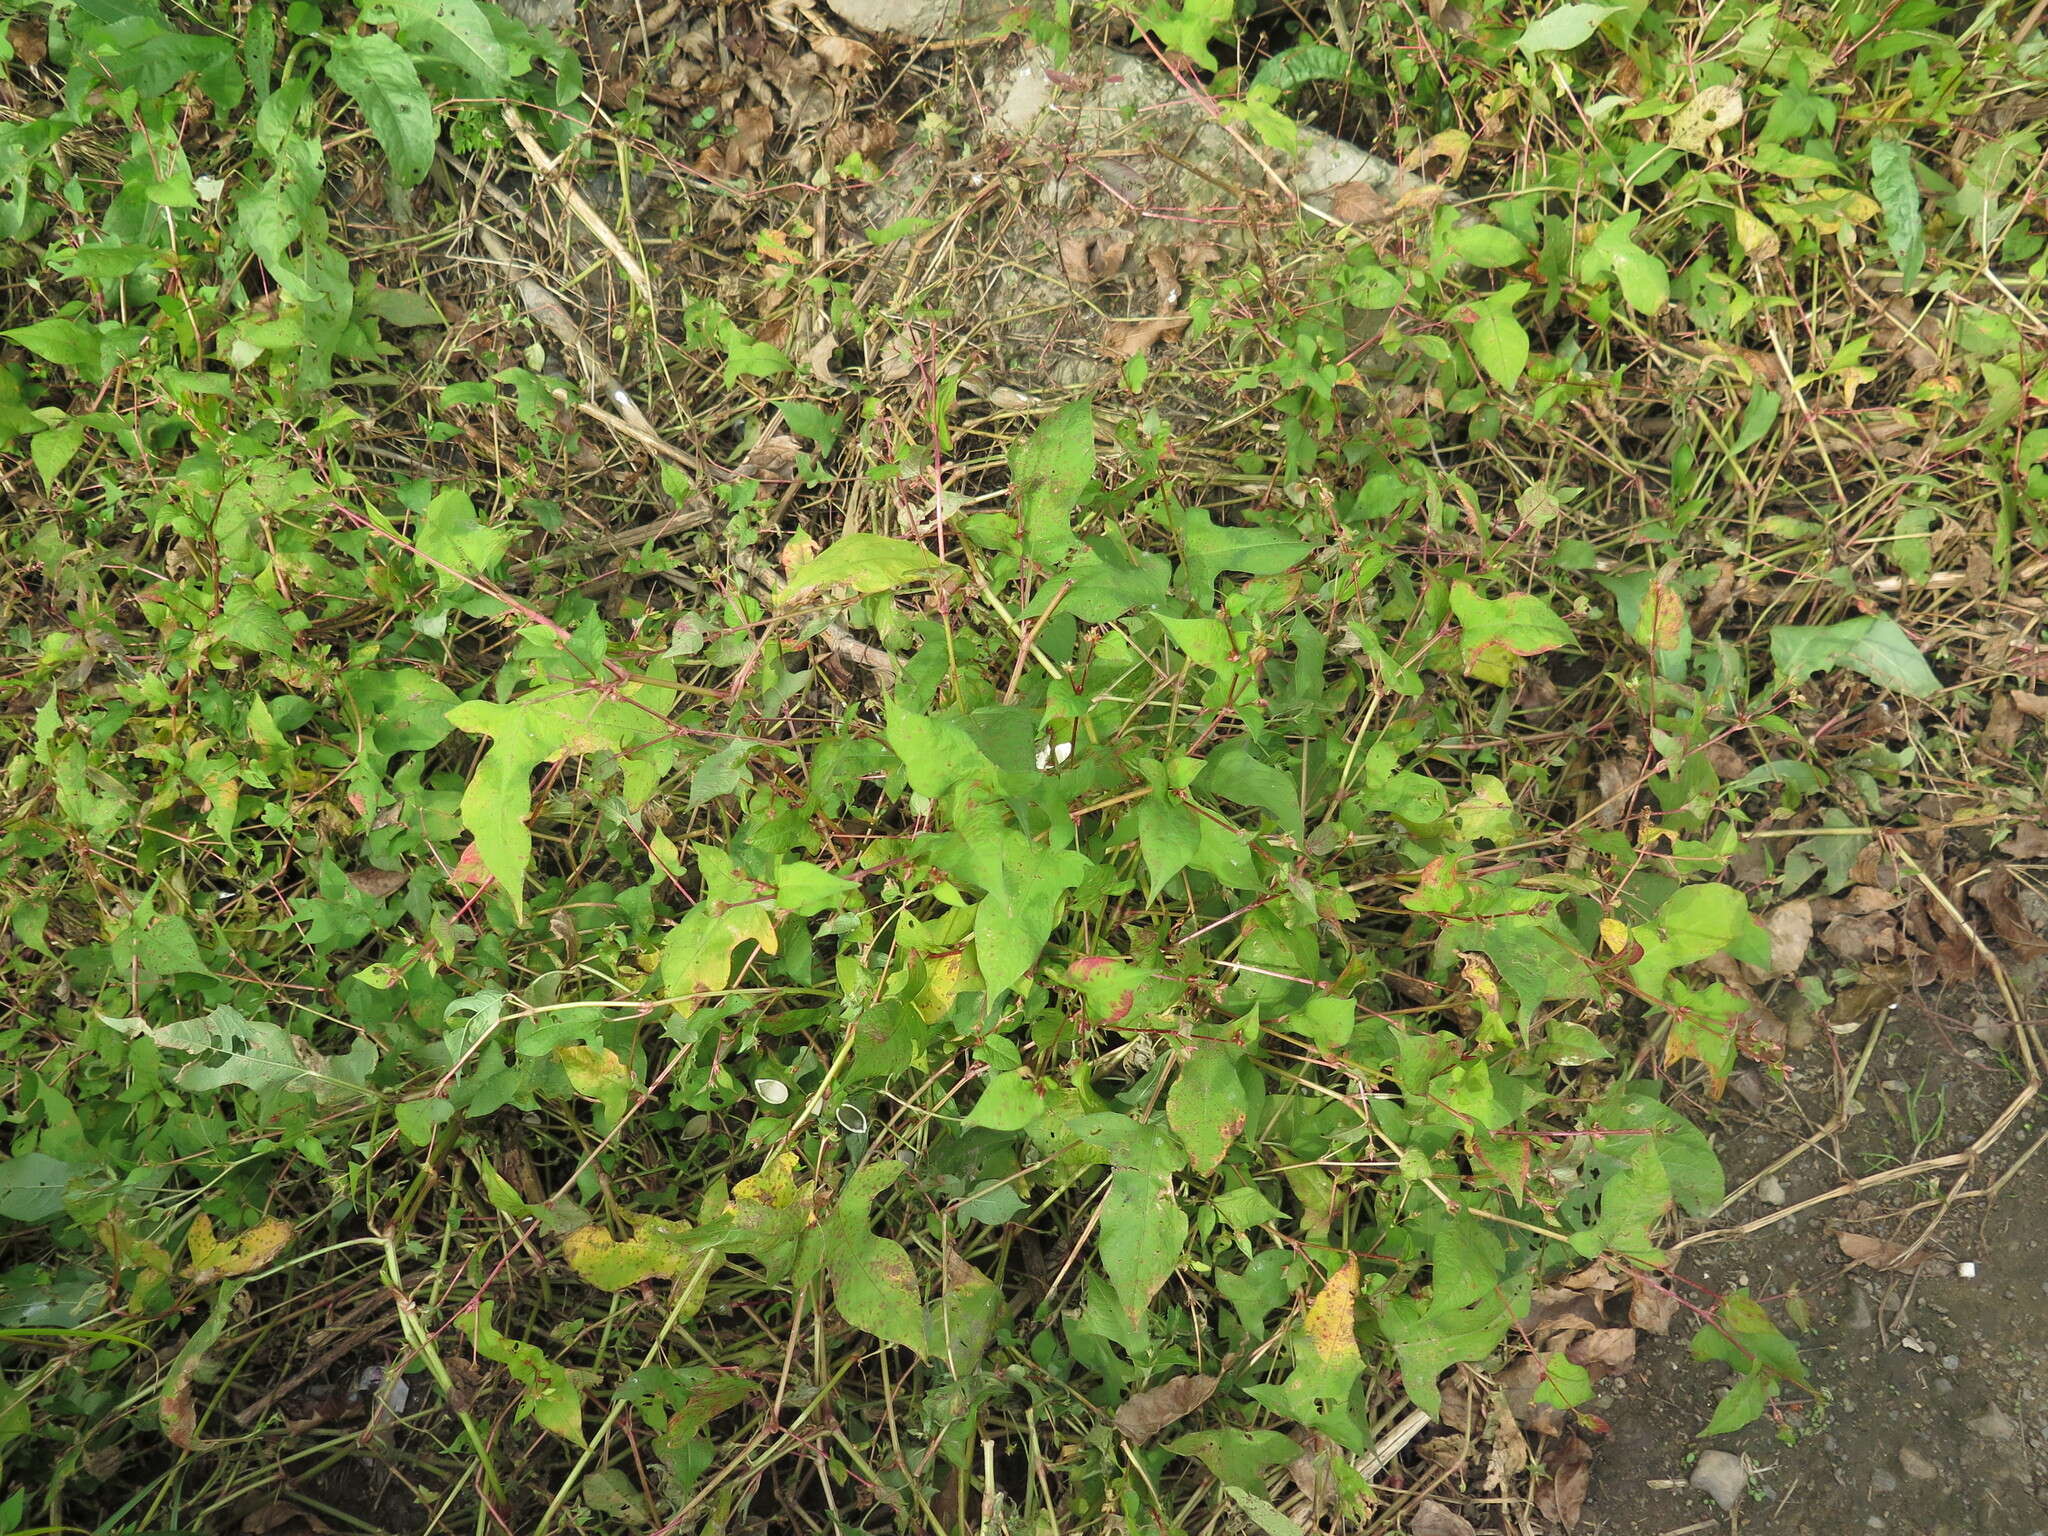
[
  {"x": 1771, "y": 1191},
  {"x": 1721, "y": 1476},
  {"x": 1951, "y": 1362},
  {"x": 1916, "y": 1465},
  {"x": 1995, "y": 1425},
  {"x": 1882, "y": 1481}
]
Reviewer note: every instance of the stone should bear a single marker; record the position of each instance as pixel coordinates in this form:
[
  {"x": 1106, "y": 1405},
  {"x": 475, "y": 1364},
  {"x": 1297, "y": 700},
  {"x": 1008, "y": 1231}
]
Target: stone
[
  {"x": 922, "y": 19},
  {"x": 1722, "y": 1477},
  {"x": 1995, "y": 1425},
  {"x": 1882, "y": 1481},
  {"x": 1913, "y": 1464}
]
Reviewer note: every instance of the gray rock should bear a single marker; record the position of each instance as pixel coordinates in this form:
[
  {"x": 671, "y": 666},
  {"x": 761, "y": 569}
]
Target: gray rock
[
  {"x": 1882, "y": 1481},
  {"x": 1913, "y": 1464},
  {"x": 1721, "y": 1476},
  {"x": 1860, "y": 1315},
  {"x": 1995, "y": 1425},
  {"x": 921, "y": 18}
]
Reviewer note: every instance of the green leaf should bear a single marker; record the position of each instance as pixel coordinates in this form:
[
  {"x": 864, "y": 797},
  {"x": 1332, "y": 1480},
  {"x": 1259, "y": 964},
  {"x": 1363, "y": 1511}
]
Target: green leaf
[
  {"x": 1169, "y": 838},
  {"x": 53, "y": 449},
  {"x": 1263, "y": 1515},
  {"x": 936, "y": 751},
  {"x": 1292, "y": 68},
  {"x": 1232, "y": 773},
  {"x": 1496, "y": 631},
  {"x": 1645, "y": 281},
  {"x": 1498, "y": 342},
  {"x": 1207, "y": 1106},
  {"x": 1487, "y": 245},
  {"x": 547, "y": 724},
  {"x": 1237, "y": 1458},
  {"x": 1024, "y": 882},
  {"x": 459, "y": 544},
  {"x": 377, "y": 74},
  {"x": 1697, "y": 921},
  {"x": 1010, "y": 1102},
  {"x": 1741, "y": 1404},
  {"x": 1327, "y": 1364},
  {"x": 1209, "y": 548},
  {"x": 1872, "y": 645},
  {"x": 1141, "y": 1235},
  {"x": 548, "y": 1394},
  {"x": 805, "y": 890},
  {"x": 230, "y": 1050},
  {"x": 32, "y": 1187},
  {"x": 867, "y": 562},
  {"x": 1188, "y": 26},
  {"x": 1051, "y": 471},
  {"x": 874, "y": 1284},
  {"x": 459, "y": 31},
  {"x": 1564, "y": 28},
  {"x": 1892, "y": 178}
]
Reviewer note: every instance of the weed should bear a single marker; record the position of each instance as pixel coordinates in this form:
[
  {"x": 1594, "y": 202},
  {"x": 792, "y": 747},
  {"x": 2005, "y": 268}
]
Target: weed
[{"x": 807, "y": 1016}]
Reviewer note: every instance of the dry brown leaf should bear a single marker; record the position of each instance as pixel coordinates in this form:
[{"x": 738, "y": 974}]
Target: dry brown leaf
[
  {"x": 1127, "y": 338},
  {"x": 2033, "y": 705},
  {"x": 1997, "y": 894},
  {"x": 748, "y": 147},
  {"x": 378, "y": 883},
  {"x": 1651, "y": 1307},
  {"x": 1604, "y": 1350},
  {"x": 1616, "y": 781},
  {"x": 1314, "y": 1471},
  {"x": 1883, "y": 1253},
  {"x": 2003, "y": 725},
  {"x": 1165, "y": 279},
  {"x": 1360, "y": 202},
  {"x": 1146, "y": 1413},
  {"x": 1451, "y": 145},
  {"x": 1790, "y": 926},
  {"x": 844, "y": 53},
  {"x": 1093, "y": 255},
  {"x": 1727, "y": 762},
  {"x": 2028, "y": 841},
  {"x": 1562, "y": 1495},
  {"x": 1510, "y": 1457},
  {"x": 1858, "y": 940},
  {"x": 1520, "y": 1382},
  {"x": 1430, "y": 1518}
]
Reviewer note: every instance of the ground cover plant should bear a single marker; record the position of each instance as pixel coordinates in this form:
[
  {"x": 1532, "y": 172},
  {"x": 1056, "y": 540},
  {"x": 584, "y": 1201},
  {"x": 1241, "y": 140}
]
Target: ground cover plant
[{"x": 633, "y": 903}]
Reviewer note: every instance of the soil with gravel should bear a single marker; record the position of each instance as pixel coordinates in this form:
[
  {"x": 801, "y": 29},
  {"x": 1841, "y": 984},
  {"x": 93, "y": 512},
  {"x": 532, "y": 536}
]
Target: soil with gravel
[{"x": 1930, "y": 1410}]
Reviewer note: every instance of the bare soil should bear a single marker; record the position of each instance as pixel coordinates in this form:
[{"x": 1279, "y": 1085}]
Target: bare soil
[{"x": 1930, "y": 1416}]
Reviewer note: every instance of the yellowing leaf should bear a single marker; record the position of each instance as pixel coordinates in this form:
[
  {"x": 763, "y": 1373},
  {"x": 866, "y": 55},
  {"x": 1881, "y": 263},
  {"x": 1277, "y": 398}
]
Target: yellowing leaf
[
  {"x": 598, "y": 1075},
  {"x": 1329, "y": 1328},
  {"x": 213, "y": 1259},
  {"x": 1714, "y": 110},
  {"x": 657, "y": 1250}
]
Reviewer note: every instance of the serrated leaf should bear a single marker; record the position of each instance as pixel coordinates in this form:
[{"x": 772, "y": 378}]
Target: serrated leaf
[
  {"x": 377, "y": 74},
  {"x": 1897, "y": 187},
  {"x": 867, "y": 562},
  {"x": 229, "y": 1050},
  {"x": 456, "y": 540}
]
